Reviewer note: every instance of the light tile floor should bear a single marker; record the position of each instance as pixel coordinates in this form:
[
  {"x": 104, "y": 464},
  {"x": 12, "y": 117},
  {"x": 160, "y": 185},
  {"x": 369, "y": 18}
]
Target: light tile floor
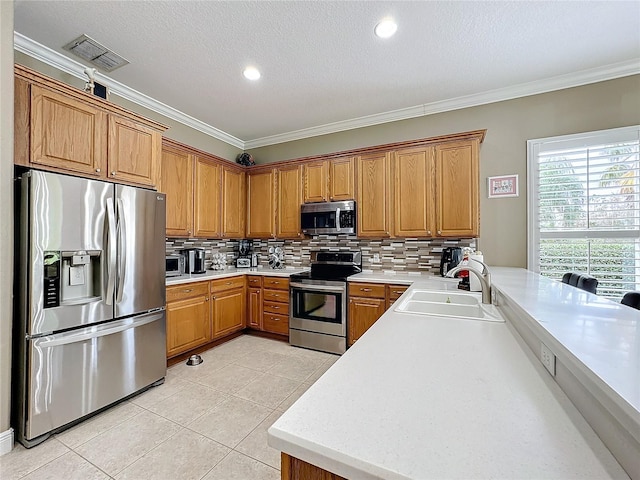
[{"x": 205, "y": 422}]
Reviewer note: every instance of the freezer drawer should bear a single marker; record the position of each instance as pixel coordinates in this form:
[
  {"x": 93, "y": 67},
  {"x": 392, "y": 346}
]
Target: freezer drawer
[{"x": 76, "y": 373}]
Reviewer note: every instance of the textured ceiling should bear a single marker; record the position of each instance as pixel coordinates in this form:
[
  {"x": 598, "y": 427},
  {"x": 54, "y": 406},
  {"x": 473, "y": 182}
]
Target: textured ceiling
[{"x": 321, "y": 62}]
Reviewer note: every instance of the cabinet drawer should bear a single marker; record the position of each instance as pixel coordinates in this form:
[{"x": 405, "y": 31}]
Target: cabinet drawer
[
  {"x": 276, "y": 295},
  {"x": 254, "y": 281},
  {"x": 275, "y": 307},
  {"x": 189, "y": 290},
  {"x": 395, "y": 291},
  {"x": 227, "y": 283},
  {"x": 278, "y": 283},
  {"x": 373, "y": 290},
  {"x": 276, "y": 323}
]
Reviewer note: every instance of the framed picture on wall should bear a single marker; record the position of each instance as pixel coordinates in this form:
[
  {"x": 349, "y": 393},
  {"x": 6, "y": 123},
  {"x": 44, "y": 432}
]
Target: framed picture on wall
[{"x": 502, "y": 186}]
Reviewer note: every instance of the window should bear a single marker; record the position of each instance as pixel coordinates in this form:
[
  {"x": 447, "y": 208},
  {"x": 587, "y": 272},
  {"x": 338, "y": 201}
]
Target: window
[{"x": 584, "y": 207}]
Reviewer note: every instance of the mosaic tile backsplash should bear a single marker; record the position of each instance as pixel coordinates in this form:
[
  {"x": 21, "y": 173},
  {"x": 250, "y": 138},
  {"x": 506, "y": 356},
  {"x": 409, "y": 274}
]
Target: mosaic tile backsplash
[{"x": 401, "y": 255}]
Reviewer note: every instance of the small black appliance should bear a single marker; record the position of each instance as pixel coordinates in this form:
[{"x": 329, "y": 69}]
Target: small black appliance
[
  {"x": 194, "y": 260},
  {"x": 451, "y": 257}
]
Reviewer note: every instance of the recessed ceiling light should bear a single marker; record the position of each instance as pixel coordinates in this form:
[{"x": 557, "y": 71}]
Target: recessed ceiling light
[
  {"x": 386, "y": 28},
  {"x": 251, "y": 73}
]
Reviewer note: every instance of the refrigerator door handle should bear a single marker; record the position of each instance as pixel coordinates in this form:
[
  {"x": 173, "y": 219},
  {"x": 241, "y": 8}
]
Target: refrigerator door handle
[
  {"x": 111, "y": 239},
  {"x": 122, "y": 250},
  {"x": 65, "y": 339}
]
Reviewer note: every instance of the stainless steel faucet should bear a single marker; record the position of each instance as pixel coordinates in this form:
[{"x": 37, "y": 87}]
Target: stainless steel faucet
[{"x": 484, "y": 276}]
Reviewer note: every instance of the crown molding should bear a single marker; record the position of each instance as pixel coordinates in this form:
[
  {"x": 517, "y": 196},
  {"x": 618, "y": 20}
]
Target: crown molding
[
  {"x": 576, "y": 79},
  {"x": 608, "y": 72},
  {"x": 61, "y": 62}
]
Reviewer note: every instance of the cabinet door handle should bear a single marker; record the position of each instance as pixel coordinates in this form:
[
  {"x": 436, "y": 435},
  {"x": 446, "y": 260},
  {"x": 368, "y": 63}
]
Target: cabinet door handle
[
  {"x": 113, "y": 174},
  {"x": 97, "y": 170},
  {"x": 277, "y": 308},
  {"x": 439, "y": 232},
  {"x": 206, "y": 299},
  {"x": 365, "y": 289},
  {"x": 188, "y": 290},
  {"x": 428, "y": 232}
]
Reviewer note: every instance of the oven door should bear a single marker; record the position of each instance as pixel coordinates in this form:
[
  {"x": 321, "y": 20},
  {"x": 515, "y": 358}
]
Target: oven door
[{"x": 318, "y": 307}]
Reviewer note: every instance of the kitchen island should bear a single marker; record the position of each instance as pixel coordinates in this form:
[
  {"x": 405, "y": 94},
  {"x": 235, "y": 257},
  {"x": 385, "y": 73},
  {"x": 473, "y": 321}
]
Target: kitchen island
[{"x": 432, "y": 397}]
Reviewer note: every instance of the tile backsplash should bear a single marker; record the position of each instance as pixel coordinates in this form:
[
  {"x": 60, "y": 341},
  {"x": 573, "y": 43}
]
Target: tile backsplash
[{"x": 402, "y": 255}]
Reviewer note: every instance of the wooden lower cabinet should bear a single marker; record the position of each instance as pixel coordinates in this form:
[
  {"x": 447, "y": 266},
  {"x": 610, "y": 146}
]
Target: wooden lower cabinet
[
  {"x": 188, "y": 317},
  {"x": 228, "y": 312},
  {"x": 229, "y": 306},
  {"x": 200, "y": 312},
  {"x": 268, "y": 304},
  {"x": 254, "y": 306},
  {"x": 367, "y": 303},
  {"x": 293, "y": 468},
  {"x": 363, "y": 312},
  {"x": 394, "y": 292}
]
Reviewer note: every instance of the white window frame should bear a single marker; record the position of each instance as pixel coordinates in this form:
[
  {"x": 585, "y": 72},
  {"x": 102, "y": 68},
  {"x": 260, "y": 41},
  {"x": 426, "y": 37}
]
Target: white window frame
[{"x": 565, "y": 141}]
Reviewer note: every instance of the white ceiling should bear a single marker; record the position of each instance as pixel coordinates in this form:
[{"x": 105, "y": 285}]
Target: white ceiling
[{"x": 323, "y": 69}]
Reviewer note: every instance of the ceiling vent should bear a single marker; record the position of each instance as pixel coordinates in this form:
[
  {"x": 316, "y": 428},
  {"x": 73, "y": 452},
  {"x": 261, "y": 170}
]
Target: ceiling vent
[{"x": 88, "y": 49}]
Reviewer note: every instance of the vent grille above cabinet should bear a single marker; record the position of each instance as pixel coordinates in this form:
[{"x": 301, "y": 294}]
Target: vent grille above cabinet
[{"x": 88, "y": 49}]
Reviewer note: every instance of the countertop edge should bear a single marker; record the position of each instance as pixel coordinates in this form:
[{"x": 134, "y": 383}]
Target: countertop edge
[
  {"x": 610, "y": 399},
  {"x": 232, "y": 272}
]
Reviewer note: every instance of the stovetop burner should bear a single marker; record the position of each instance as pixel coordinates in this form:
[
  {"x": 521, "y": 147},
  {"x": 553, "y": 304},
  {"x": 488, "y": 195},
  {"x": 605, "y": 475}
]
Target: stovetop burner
[{"x": 332, "y": 266}]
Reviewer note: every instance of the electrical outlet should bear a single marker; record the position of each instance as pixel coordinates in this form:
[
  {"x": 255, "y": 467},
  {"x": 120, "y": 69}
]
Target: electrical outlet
[
  {"x": 548, "y": 359},
  {"x": 376, "y": 258}
]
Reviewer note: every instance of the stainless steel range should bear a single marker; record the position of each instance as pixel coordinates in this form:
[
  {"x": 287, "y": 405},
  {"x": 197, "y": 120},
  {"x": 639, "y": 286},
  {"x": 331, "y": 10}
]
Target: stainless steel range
[{"x": 318, "y": 301}]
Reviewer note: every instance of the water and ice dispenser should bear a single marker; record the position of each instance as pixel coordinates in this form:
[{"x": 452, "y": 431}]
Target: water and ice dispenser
[{"x": 72, "y": 277}]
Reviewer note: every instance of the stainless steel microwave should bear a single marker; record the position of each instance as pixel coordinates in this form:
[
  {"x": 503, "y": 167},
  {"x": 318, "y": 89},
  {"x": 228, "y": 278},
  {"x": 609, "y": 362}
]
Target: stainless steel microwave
[
  {"x": 328, "y": 218},
  {"x": 175, "y": 265}
]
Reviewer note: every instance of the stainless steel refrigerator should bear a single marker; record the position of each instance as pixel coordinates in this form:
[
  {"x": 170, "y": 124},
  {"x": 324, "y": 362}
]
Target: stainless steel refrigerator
[{"x": 90, "y": 325}]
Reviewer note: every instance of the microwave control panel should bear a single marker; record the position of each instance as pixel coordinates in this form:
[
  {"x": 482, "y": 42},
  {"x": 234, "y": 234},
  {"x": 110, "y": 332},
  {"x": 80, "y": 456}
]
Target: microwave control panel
[{"x": 348, "y": 219}]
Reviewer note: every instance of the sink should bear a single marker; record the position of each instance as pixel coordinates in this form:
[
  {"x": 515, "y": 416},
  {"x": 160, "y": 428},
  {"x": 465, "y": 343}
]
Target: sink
[
  {"x": 444, "y": 297},
  {"x": 447, "y": 304}
]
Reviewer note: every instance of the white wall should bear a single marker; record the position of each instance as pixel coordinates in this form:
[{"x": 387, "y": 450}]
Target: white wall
[{"x": 6, "y": 219}]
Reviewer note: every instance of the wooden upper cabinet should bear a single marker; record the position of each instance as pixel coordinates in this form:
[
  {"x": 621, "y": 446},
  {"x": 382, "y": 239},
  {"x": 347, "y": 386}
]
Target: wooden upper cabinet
[
  {"x": 207, "y": 214},
  {"x": 261, "y": 204},
  {"x": 233, "y": 203},
  {"x": 67, "y": 134},
  {"x": 289, "y": 200},
  {"x": 134, "y": 152},
  {"x": 457, "y": 195},
  {"x": 329, "y": 180},
  {"x": 62, "y": 128},
  {"x": 341, "y": 179},
  {"x": 316, "y": 181},
  {"x": 373, "y": 194},
  {"x": 176, "y": 181},
  {"x": 413, "y": 189}
]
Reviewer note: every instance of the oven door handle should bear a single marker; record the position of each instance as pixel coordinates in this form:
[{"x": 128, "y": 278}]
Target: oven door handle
[{"x": 321, "y": 288}]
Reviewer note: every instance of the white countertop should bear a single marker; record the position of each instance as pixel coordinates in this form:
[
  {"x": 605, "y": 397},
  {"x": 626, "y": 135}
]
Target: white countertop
[
  {"x": 428, "y": 397},
  {"x": 403, "y": 278},
  {"x": 598, "y": 337},
  {"x": 233, "y": 272}
]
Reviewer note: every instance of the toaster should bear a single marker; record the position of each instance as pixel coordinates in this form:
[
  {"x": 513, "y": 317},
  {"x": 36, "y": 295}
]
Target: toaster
[{"x": 243, "y": 262}]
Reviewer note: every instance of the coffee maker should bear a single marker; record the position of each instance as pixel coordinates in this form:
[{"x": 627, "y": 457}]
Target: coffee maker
[
  {"x": 194, "y": 260},
  {"x": 451, "y": 257},
  {"x": 245, "y": 258}
]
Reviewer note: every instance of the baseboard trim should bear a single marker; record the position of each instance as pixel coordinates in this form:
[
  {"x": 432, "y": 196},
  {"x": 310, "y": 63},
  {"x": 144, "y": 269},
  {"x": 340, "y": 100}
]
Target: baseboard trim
[{"x": 6, "y": 441}]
